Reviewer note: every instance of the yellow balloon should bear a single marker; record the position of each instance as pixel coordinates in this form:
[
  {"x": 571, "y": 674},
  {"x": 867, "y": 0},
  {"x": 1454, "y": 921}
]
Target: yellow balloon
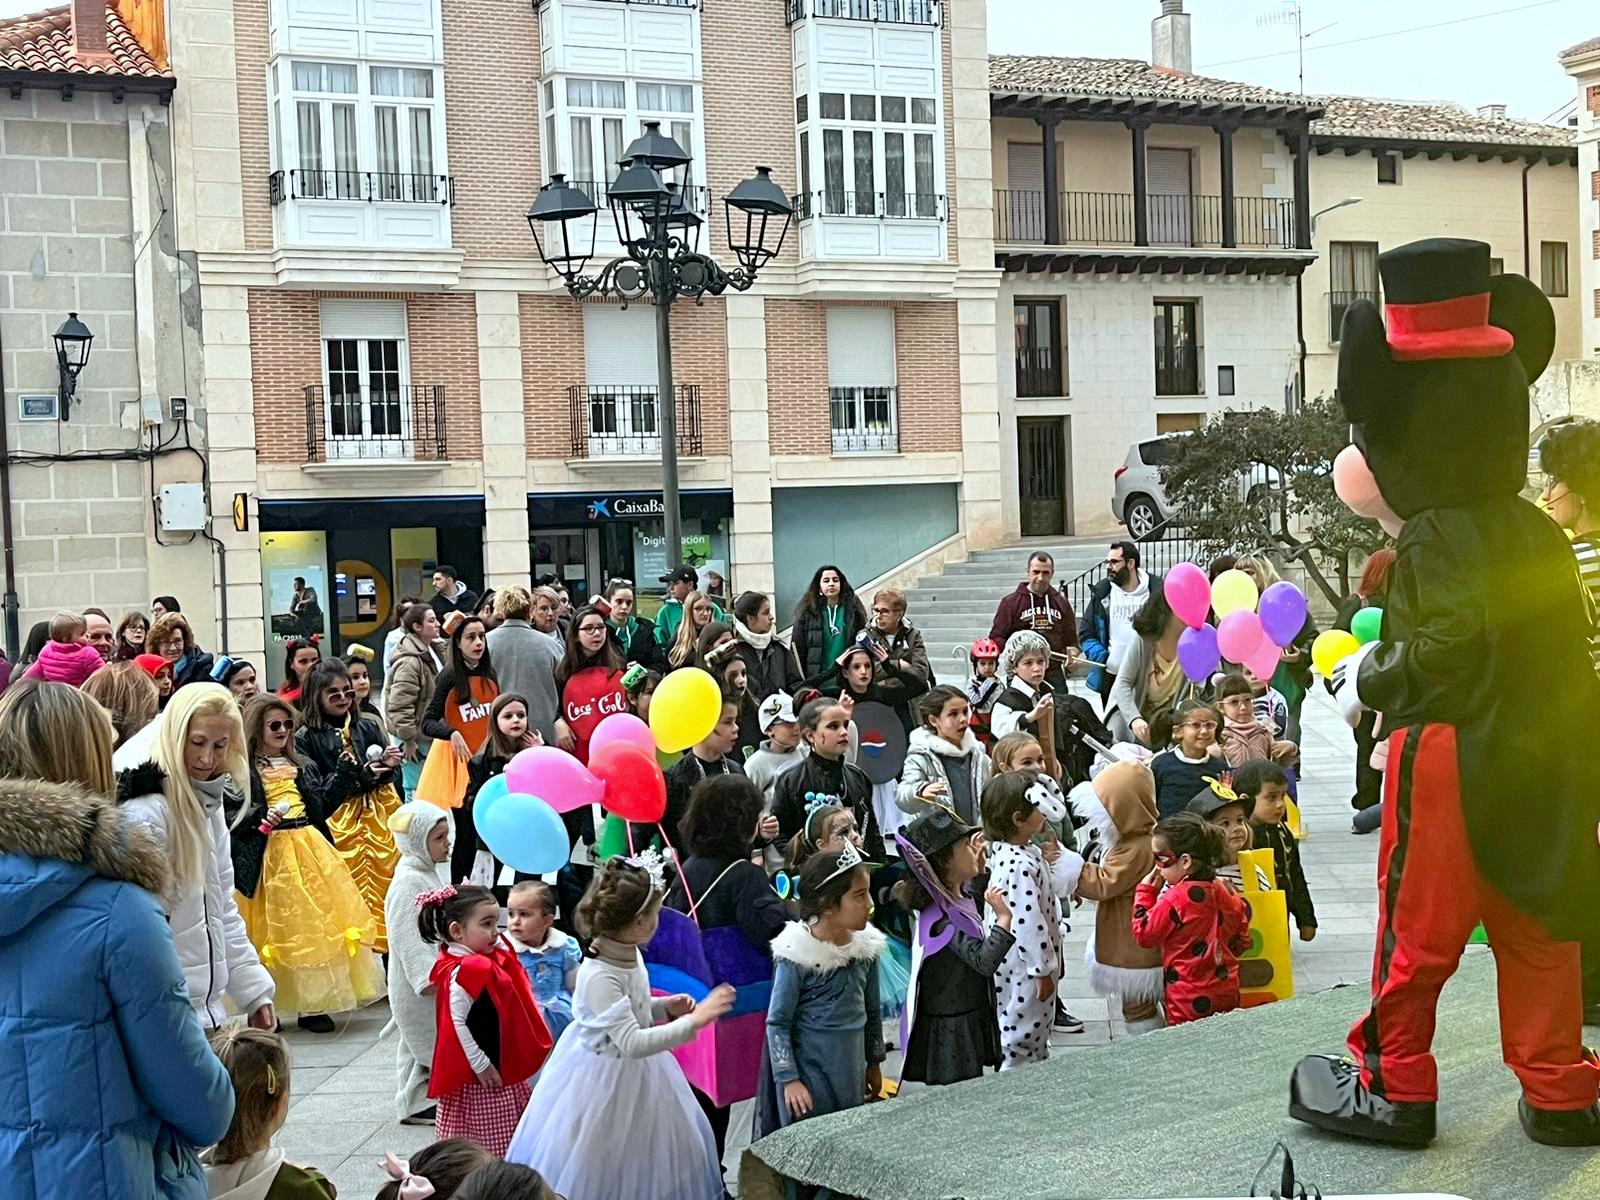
[
  {"x": 1330, "y": 649},
  {"x": 685, "y": 707},
  {"x": 1233, "y": 591}
]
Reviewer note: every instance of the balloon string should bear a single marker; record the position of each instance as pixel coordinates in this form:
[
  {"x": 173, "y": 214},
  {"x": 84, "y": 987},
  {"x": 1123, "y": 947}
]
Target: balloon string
[{"x": 682, "y": 878}]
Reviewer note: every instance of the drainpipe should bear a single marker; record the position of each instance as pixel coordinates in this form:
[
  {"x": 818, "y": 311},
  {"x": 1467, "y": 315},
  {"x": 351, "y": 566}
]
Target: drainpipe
[
  {"x": 12, "y": 631},
  {"x": 1527, "y": 261},
  {"x": 1300, "y": 333}
]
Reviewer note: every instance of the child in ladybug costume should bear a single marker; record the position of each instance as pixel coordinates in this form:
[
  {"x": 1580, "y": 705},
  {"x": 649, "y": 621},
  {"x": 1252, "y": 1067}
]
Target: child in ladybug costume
[{"x": 1482, "y": 675}]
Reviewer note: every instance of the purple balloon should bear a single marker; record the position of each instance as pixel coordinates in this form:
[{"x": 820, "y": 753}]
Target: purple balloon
[
  {"x": 1283, "y": 612},
  {"x": 1197, "y": 652}
]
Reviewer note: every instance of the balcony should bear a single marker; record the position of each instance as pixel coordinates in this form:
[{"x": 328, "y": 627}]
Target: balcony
[
  {"x": 538, "y": 4},
  {"x": 894, "y": 12},
  {"x": 624, "y": 422},
  {"x": 362, "y": 208},
  {"x": 864, "y": 420},
  {"x": 837, "y": 224},
  {"x": 1338, "y": 302},
  {"x": 1110, "y": 219},
  {"x": 403, "y": 424}
]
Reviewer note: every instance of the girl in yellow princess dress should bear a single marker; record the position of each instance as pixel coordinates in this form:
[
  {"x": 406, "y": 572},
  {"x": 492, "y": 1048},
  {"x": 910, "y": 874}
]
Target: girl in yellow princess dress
[{"x": 300, "y": 906}]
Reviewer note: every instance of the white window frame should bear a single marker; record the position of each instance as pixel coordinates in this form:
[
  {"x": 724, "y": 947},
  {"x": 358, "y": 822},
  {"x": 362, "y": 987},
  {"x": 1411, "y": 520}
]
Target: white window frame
[
  {"x": 864, "y": 418},
  {"x": 367, "y": 180},
  {"x": 875, "y": 200},
  {"x": 368, "y": 443},
  {"x": 560, "y": 120}
]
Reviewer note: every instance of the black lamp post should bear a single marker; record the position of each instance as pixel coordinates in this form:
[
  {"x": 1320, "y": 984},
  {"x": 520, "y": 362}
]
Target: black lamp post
[
  {"x": 73, "y": 341},
  {"x": 660, "y": 231}
]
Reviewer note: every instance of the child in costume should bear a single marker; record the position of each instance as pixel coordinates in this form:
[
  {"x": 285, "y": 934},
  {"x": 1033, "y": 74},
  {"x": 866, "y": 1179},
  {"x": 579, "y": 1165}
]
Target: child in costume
[
  {"x": 825, "y": 727},
  {"x": 421, "y": 833},
  {"x": 548, "y": 955},
  {"x": 491, "y": 1038},
  {"x": 509, "y": 735},
  {"x": 1015, "y": 809},
  {"x": 1199, "y": 925},
  {"x": 781, "y": 748},
  {"x": 1120, "y": 806},
  {"x": 244, "y": 1165},
  {"x": 952, "y": 1031},
  {"x": 1244, "y": 737},
  {"x": 301, "y": 909},
  {"x": 984, "y": 687},
  {"x": 1264, "y": 786},
  {"x": 1181, "y": 768},
  {"x": 824, "y": 1033},
  {"x": 1221, "y": 805},
  {"x": 1024, "y": 702},
  {"x": 612, "y": 1115}
]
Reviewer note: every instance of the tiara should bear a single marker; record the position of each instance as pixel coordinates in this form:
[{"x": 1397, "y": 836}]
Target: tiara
[
  {"x": 849, "y": 859},
  {"x": 652, "y": 864}
]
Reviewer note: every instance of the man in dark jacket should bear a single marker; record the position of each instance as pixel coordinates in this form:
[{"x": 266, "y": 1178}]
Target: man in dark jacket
[
  {"x": 1037, "y": 606},
  {"x": 450, "y": 594},
  {"x": 1106, "y": 627}
]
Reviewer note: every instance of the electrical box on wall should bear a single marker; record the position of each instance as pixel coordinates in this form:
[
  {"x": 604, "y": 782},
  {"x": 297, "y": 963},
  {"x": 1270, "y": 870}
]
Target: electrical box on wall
[{"x": 183, "y": 507}]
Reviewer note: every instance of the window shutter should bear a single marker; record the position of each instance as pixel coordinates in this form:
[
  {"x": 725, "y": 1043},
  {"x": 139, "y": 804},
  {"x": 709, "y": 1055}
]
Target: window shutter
[
  {"x": 1167, "y": 172},
  {"x": 1024, "y": 166},
  {"x": 364, "y": 319},
  {"x": 861, "y": 347},
  {"x": 619, "y": 346}
]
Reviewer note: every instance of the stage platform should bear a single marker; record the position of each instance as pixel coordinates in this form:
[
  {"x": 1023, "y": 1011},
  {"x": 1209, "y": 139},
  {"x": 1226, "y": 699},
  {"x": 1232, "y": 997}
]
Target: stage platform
[{"x": 1190, "y": 1112}]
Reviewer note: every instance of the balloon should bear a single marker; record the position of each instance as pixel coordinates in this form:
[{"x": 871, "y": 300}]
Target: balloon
[
  {"x": 1188, "y": 593},
  {"x": 686, "y": 706},
  {"x": 624, "y": 727},
  {"x": 665, "y": 760},
  {"x": 1239, "y": 635},
  {"x": 634, "y": 787},
  {"x": 1353, "y": 482},
  {"x": 1330, "y": 649},
  {"x": 1283, "y": 612},
  {"x": 491, "y": 792},
  {"x": 1367, "y": 625},
  {"x": 1264, "y": 662},
  {"x": 1233, "y": 591},
  {"x": 1197, "y": 652},
  {"x": 555, "y": 776},
  {"x": 613, "y": 839},
  {"x": 525, "y": 832}
]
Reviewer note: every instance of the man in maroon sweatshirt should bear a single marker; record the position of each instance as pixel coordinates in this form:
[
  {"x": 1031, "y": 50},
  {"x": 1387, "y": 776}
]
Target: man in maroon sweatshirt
[{"x": 1037, "y": 606}]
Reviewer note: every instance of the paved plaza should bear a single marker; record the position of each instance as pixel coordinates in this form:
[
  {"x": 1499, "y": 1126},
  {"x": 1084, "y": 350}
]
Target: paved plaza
[{"x": 342, "y": 1115}]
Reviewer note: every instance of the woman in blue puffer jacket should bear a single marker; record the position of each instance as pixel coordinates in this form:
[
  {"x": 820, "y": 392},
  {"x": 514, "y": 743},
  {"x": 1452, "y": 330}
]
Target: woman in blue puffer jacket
[{"x": 107, "y": 1084}]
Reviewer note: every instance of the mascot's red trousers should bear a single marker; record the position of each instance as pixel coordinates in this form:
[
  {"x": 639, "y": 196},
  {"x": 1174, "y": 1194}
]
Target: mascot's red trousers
[{"x": 1430, "y": 895}]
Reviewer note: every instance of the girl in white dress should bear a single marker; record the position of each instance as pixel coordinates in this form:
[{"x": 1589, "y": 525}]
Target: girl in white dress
[
  {"x": 1015, "y": 808},
  {"x": 610, "y": 1076}
]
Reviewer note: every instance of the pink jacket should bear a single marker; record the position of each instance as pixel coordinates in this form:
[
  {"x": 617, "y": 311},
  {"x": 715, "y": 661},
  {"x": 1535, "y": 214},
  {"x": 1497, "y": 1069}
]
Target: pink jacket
[{"x": 64, "y": 662}]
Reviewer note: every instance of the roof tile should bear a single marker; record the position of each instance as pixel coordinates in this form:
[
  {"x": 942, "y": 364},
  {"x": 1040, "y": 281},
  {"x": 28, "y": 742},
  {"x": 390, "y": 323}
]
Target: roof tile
[
  {"x": 1404, "y": 120},
  {"x": 42, "y": 42},
  {"x": 1582, "y": 48}
]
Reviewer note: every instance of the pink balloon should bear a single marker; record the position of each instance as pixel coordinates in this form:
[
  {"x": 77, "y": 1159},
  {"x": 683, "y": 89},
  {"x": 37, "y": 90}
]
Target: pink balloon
[
  {"x": 555, "y": 777},
  {"x": 1240, "y": 636},
  {"x": 1188, "y": 591},
  {"x": 623, "y": 727},
  {"x": 1264, "y": 662}
]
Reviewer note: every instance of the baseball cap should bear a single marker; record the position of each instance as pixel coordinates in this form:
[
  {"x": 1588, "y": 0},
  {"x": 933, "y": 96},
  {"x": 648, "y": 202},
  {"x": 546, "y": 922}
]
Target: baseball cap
[
  {"x": 681, "y": 575},
  {"x": 775, "y": 709}
]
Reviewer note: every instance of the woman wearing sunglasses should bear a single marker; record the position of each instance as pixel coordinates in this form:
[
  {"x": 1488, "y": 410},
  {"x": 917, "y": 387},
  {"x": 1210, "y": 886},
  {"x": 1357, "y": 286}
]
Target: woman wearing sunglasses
[{"x": 302, "y": 910}]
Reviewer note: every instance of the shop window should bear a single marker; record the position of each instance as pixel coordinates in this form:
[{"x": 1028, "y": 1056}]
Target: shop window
[{"x": 863, "y": 402}]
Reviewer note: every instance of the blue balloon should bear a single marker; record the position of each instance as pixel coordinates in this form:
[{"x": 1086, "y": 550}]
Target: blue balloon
[
  {"x": 525, "y": 832},
  {"x": 495, "y": 789}
]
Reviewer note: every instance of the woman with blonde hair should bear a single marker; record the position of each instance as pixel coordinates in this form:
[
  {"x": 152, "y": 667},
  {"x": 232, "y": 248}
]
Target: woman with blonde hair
[
  {"x": 56, "y": 732},
  {"x": 127, "y": 692},
  {"x": 698, "y": 612},
  {"x": 174, "y": 777}
]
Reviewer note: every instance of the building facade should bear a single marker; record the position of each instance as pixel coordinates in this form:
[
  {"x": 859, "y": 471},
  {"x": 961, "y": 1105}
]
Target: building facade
[
  {"x": 1582, "y": 62},
  {"x": 104, "y": 485}
]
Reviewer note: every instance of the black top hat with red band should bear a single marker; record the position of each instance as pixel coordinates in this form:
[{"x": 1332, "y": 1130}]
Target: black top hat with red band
[{"x": 1436, "y": 295}]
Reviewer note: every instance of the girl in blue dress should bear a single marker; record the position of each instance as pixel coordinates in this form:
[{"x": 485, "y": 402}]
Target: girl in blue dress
[{"x": 824, "y": 1025}]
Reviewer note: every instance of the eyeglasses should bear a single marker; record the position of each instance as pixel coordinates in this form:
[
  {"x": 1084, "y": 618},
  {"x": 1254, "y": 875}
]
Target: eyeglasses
[
  {"x": 621, "y": 583},
  {"x": 1166, "y": 858},
  {"x": 279, "y": 726},
  {"x": 883, "y": 612},
  {"x": 591, "y": 628},
  {"x": 1202, "y": 726}
]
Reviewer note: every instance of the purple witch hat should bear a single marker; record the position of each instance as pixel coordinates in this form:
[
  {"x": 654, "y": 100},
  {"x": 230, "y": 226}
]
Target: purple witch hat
[{"x": 931, "y": 832}]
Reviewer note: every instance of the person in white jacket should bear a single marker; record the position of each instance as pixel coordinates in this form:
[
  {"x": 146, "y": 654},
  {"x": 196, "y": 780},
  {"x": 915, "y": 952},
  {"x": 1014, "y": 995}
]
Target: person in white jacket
[
  {"x": 945, "y": 763},
  {"x": 171, "y": 777}
]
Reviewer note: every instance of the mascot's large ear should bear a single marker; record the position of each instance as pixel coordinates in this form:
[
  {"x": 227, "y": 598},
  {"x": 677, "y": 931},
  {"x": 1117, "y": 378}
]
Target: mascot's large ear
[
  {"x": 1516, "y": 304},
  {"x": 1366, "y": 364}
]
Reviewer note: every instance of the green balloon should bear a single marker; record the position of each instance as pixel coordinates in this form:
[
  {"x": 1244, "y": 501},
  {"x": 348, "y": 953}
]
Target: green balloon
[
  {"x": 613, "y": 839},
  {"x": 1367, "y": 626}
]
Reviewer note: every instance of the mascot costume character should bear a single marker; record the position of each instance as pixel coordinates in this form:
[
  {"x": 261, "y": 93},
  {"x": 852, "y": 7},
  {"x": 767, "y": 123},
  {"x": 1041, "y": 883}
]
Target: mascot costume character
[{"x": 1483, "y": 674}]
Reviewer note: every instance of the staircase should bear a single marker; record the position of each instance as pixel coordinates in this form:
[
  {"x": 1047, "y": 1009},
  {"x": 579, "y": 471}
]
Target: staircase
[{"x": 957, "y": 606}]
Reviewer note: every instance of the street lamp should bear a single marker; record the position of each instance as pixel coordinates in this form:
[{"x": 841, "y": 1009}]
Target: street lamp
[
  {"x": 73, "y": 341},
  {"x": 1345, "y": 203},
  {"x": 660, "y": 232}
]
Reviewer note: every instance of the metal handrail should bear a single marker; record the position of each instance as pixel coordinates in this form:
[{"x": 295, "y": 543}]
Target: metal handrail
[
  {"x": 1163, "y": 548},
  {"x": 1109, "y": 219},
  {"x": 401, "y": 187},
  {"x": 624, "y": 421},
  {"x": 833, "y": 202},
  {"x": 376, "y": 423}
]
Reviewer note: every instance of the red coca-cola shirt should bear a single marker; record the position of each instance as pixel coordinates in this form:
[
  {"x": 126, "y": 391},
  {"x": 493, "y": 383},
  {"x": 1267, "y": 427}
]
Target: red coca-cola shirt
[{"x": 589, "y": 697}]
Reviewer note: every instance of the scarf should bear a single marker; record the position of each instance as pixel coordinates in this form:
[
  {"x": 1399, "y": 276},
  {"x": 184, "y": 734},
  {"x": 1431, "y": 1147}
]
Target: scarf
[
  {"x": 756, "y": 641},
  {"x": 617, "y": 954}
]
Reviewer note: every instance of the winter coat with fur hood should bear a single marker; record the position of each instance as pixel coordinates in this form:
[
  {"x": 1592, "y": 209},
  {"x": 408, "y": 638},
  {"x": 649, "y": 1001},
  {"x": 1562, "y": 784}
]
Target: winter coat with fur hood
[
  {"x": 207, "y": 929},
  {"x": 410, "y": 958},
  {"x": 110, "y": 1084},
  {"x": 1120, "y": 805},
  {"x": 929, "y": 758}
]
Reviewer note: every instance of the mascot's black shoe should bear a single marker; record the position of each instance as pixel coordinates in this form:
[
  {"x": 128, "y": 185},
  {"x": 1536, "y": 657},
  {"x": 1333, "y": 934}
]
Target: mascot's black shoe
[
  {"x": 1578, "y": 1127},
  {"x": 1327, "y": 1092}
]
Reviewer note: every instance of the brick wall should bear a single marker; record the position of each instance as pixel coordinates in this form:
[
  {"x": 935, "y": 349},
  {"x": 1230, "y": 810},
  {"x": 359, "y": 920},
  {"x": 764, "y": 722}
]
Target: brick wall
[
  {"x": 491, "y": 85},
  {"x": 1594, "y": 185},
  {"x": 749, "y": 102},
  {"x": 443, "y": 329},
  {"x": 928, "y": 375},
  {"x": 255, "y": 159},
  {"x": 1594, "y": 100},
  {"x": 553, "y": 362},
  {"x": 797, "y": 377}
]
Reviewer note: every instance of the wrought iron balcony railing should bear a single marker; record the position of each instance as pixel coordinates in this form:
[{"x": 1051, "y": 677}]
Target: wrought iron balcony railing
[
  {"x": 1109, "y": 219},
  {"x": 897, "y": 12},
  {"x": 624, "y": 422},
  {"x": 367, "y": 186},
  {"x": 864, "y": 420},
  {"x": 402, "y": 423},
  {"x": 883, "y": 205}
]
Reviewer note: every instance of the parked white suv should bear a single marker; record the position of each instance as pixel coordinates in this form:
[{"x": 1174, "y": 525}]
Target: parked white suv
[{"x": 1138, "y": 500}]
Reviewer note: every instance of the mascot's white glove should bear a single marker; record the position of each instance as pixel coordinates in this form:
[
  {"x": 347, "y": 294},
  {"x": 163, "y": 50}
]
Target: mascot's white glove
[{"x": 1343, "y": 685}]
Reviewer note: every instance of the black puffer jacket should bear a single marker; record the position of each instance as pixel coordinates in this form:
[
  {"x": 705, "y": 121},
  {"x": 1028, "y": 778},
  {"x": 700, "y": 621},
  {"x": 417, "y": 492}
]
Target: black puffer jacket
[
  {"x": 770, "y": 670},
  {"x": 342, "y": 779}
]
